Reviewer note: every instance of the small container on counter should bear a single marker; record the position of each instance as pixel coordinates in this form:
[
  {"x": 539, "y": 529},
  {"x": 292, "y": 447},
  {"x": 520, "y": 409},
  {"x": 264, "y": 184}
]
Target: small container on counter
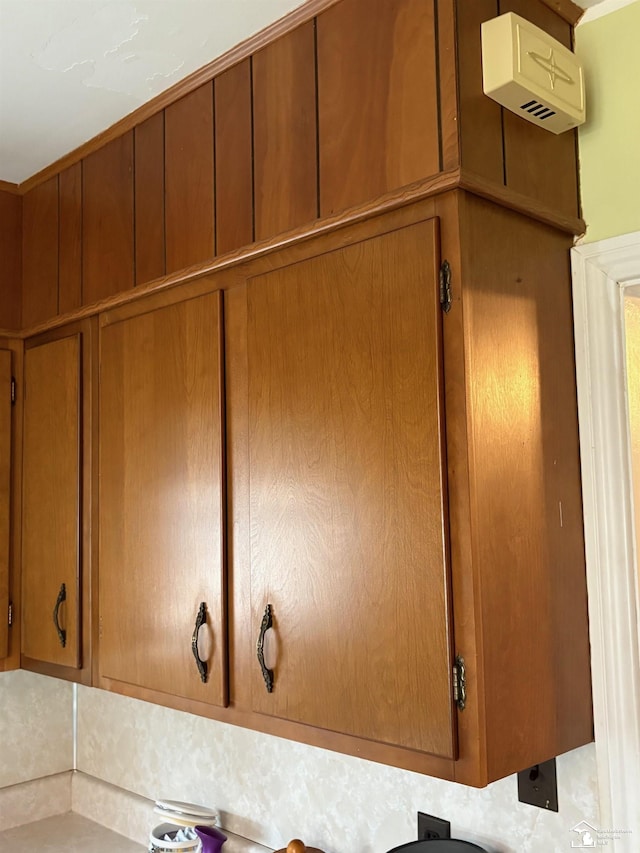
[{"x": 177, "y": 832}]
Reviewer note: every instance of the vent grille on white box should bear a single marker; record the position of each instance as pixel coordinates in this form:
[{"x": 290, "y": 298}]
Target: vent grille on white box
[
  {"x": 540, "y": 111},
  {"x": 529, "y": 72}
]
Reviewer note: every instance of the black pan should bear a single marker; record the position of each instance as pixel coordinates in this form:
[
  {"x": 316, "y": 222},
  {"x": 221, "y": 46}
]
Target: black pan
[{"x": 449, "y": 845}]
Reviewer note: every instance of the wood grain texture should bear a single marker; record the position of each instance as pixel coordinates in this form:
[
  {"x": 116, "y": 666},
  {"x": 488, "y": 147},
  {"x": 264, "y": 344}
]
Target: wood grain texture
[
  {"x": 538, "y": 163},
  {"x": 347, "y": 491},
  {"x": 377, "y": 99},
  {"x": 50, "y": 509},
  {"x": 149, "y": 199},
  {"x": 233, "y": 262},
  {"x": 238, "y": 524},
  {"x": 525, "y": 492},
  {"x": 189, "y": 180},
  {"x": 446, "y": 41},
  {"x": 40, "y": 253},
  {"x": 12, "y": 661},
  {"x": 571, "y": 12},
  {"x": 10, "y": 260},
  {"x": 480, "y": 117},
  {"x": 70, "y": 253},
  {"x": 107, "y": 220},
  {"x": 419, "y": 762},
  {"x": 234, "y": 158},
  {"x": 5, "y": 494},
  {"x": 162, "y": 499},
  {"x": 285, "y": 133}
]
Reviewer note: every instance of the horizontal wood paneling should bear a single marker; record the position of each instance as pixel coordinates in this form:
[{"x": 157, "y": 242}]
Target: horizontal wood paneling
[
  {"x": 149, "y": 199},
  {"x": 377, "y": 99},
  {"x": 70, "y": 260},
  {"x": 234, "y": 158},
  {"x": 107, "y": 220},
  {"x": 189, "y": 180},
  {"x": 10, "y": 260},
  {"x": 40, "y": 253},
  {"x": 285, "y": 135}
]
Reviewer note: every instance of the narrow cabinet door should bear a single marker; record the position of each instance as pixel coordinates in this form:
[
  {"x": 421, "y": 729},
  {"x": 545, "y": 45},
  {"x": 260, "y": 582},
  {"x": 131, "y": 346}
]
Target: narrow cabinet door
[
  {"x": 347, "y": 494},
  {"x": 5, "y": 496},
  {"x": 51, "y": 502},
  {"x": 162, "y": 616}
]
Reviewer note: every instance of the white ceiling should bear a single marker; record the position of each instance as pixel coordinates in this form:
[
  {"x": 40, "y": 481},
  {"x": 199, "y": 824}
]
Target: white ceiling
[{"x": 71, "y": 68}]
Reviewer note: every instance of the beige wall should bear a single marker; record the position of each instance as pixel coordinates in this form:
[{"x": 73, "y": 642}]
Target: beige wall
[
  {"x": 35, "y": 727},
  {"x": 272, "y": 790},
  {"x": 610, "y": 140}
]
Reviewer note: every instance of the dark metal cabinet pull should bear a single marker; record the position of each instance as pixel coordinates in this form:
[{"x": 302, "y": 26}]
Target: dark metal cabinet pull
[
  {"x": 201, "y": 619},
  {"x": 267, "y": 674},
  {"x": 62, "y": 634}
]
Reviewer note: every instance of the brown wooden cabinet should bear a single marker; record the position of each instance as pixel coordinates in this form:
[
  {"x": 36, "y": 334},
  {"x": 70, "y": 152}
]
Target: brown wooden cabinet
[
  {"x": 5, "y": 495},
  {"x": 404, "y": 489},
  {"x": 161, "y": 499},
  {"x": 347, "y": 496},
  {"x": 56, "y": 502},
  {"x": 396, "y": 485}
]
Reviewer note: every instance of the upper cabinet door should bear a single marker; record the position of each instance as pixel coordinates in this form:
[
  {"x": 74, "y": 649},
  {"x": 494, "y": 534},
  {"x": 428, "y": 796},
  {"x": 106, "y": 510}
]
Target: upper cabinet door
[
  {"x": 51, "y": 502},
  {"x": 5, "y": 495},
  {"x": 161, "y": 500},
  {"x": 348, "y": 529}
]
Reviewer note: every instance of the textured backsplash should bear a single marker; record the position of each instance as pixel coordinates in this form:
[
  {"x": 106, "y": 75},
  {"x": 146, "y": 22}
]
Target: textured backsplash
[
  {"x": 271, "y": 790},
  {"x": 36, "y": 731},
  {"x": 266, "y": 788}
]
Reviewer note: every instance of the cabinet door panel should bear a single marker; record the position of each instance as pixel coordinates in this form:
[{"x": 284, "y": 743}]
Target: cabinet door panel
[
  {"x": 5, "y": 493},
  {"x": 347, "y": 491},
  {"x": 50, "y": 512},
  {"x": 161, "y": 499}
]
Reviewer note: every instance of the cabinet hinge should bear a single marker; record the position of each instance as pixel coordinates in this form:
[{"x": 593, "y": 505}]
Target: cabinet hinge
[
  {"x": 445, "y": 286},
  {"x": 13, "y": 390},
  {"x": 459, "y": 683},
  {"x": 10, "y": 613}
]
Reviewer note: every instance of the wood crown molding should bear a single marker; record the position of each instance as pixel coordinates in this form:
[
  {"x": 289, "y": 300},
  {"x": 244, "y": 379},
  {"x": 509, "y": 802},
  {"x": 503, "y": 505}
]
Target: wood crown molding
[
  {"x": 521, "y": 203},
  {"x": 434, "y": 185},
  {"x": 203, "y": 75},
  {"x": 601, "y": 272},
  {"x": 566, "y": 9},
  {"x": 8, "y": 187}
]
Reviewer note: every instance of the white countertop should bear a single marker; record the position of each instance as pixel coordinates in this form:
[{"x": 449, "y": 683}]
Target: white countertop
[{"x": 69, "y": 833}]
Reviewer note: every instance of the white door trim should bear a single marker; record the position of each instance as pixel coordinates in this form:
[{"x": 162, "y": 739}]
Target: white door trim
[{"x": 601, "y": 273}]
